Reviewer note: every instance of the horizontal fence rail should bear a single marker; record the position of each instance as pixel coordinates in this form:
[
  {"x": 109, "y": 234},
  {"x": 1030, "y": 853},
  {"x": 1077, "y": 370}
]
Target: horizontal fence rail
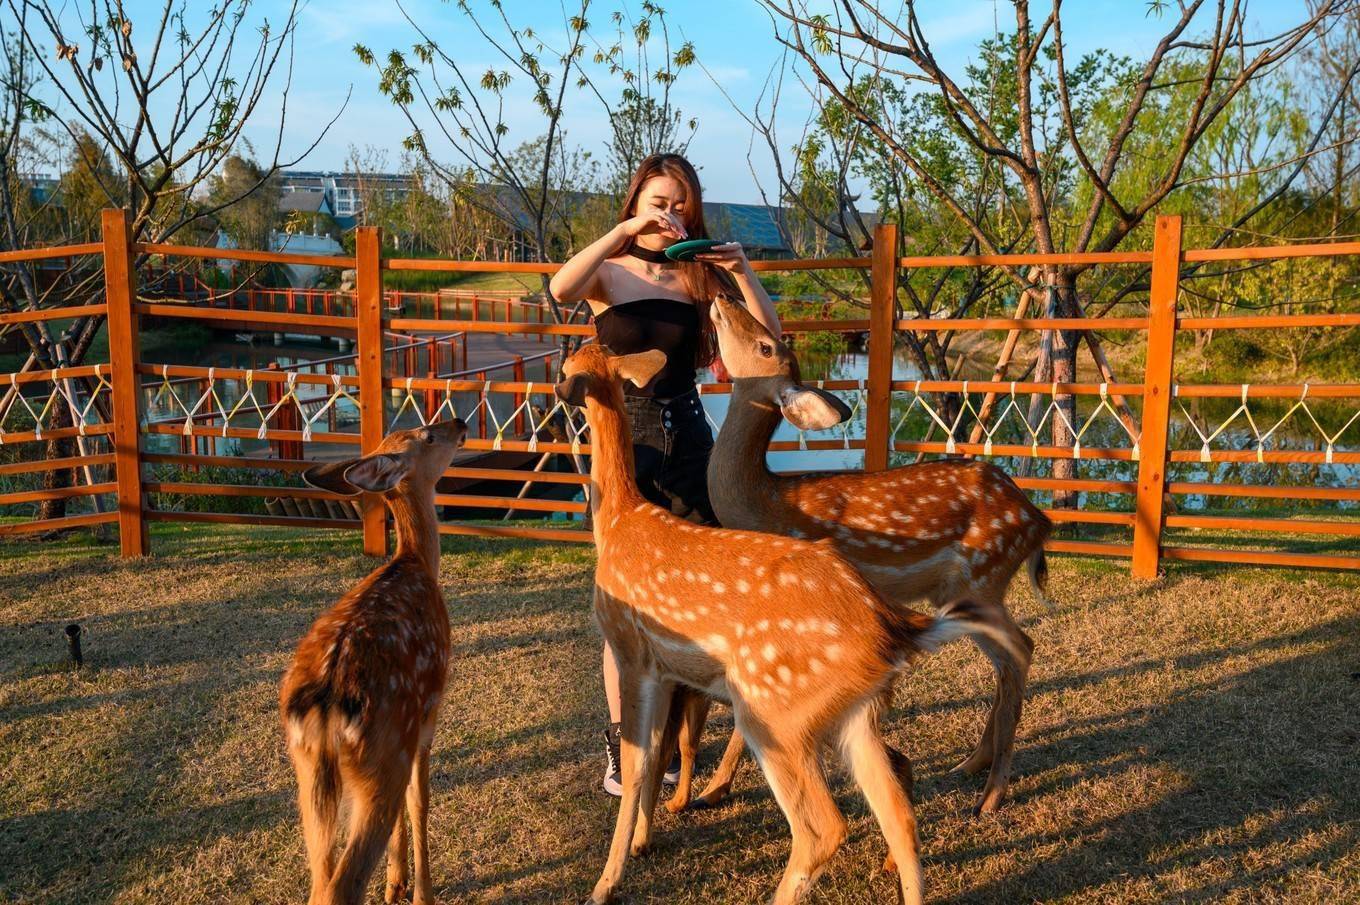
[{"x": 152, "y": 442}]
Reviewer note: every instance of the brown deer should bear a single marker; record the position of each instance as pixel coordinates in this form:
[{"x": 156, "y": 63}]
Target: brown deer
[
  {"x": 786, "y": 630},
  {"x": 943, "y": 531},
  {"x": 359, "y": 701}
]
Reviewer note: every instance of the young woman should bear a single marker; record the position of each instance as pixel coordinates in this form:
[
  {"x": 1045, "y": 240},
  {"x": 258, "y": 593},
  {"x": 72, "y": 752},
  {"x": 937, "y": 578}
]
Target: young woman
[{"x": 642, "y": 300}]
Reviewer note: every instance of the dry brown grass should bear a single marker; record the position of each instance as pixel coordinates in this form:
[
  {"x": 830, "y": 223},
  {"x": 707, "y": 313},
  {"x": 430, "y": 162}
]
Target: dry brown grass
[{"x": 1194, "y": 740}]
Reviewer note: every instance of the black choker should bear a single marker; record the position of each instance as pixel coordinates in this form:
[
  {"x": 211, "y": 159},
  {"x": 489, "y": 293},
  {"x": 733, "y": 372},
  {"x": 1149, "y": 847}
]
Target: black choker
[{"x": 649, "y": 255}]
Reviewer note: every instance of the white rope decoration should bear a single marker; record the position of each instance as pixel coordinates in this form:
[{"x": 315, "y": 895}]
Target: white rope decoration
[
  {"x": 61, "y": 388},
  {"x": 1012, "y": 410},
  {"x": 1261, "y": 437}
]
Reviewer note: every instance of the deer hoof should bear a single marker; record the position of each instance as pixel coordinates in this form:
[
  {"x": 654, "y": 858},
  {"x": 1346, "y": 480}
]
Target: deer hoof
[
  {"x": 395, "y": 892},
  {"x": 989, "y": 803},
  {"x": 889, "y": 865}
]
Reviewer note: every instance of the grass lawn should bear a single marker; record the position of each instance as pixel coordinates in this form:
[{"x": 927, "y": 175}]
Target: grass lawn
[{"x": 1192, "y": 740}]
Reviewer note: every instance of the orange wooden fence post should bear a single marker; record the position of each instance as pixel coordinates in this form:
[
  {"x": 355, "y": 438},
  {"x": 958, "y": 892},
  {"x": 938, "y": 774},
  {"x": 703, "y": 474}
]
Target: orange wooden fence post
[
  {"x": 120, "y": 288},
  {"x": 1147, "y": 523},
  {"x": 882, "y": 335},
  {"x": 368, "y": 301}
]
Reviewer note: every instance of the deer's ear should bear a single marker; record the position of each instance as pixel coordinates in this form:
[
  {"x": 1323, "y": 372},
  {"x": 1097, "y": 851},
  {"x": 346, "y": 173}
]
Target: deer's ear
[
  {"x": 331, "y": 476},
  {"x": 811, "y": 409},
  {"x": 574, "y": 389},
  {"x": 640, "y": 367},
  {"x": 377, "y": 473}
]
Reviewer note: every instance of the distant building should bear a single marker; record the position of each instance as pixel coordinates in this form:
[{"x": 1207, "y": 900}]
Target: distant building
[
  {"x": 342, "y": 193},
  {"x": 42, "y": 187}
]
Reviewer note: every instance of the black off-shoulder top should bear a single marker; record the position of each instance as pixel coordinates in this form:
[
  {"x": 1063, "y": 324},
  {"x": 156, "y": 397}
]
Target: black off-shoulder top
[{"x": 665, "y": 324}]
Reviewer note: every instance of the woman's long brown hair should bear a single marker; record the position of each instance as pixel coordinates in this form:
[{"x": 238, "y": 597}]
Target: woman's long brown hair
[{"x": 703, "y": 281}]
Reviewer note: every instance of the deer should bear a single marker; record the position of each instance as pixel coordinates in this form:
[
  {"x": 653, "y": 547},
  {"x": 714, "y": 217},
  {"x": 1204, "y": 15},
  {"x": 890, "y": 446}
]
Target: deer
[
  {"x": 361, "y": 696},
  {"x": 785, "y": 630},
  {"x": 939, "y": 531}
]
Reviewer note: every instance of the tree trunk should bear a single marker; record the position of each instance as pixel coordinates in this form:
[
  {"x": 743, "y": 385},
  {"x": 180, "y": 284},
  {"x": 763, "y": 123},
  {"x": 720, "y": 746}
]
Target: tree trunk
[
  {"x": 1063, "y": 303},
  {"x": 56, "y": 478}
]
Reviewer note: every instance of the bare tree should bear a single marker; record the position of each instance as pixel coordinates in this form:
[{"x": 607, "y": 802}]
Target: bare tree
[
  {"x": 1053, "y": 153},
  {"x": 166, "y": 103},
  {"x": 531, "y": 183}
]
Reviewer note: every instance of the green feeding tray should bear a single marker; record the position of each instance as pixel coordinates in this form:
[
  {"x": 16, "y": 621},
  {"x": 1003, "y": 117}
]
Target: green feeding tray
[{"x": 685, "y": 251}]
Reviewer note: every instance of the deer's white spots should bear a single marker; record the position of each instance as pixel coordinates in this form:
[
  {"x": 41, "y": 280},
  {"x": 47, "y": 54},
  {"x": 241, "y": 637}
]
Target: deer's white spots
[
  {"x": 719, "y": 587},
  {"x": 816, "y": 666},
  {"x": 743, "y": 586},
  {"x": 763, "y": 625},
  {"x": 785, "y": 674},
  {"x": 770, "y": 652},
  {"x": 833, "y": 652}
]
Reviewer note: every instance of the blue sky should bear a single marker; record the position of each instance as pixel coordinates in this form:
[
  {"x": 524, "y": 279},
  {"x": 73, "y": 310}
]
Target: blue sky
[{"x": 732, "y": 37}]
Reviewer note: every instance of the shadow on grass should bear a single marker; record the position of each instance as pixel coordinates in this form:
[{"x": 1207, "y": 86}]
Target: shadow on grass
[{"x": 1266, "y": 759}]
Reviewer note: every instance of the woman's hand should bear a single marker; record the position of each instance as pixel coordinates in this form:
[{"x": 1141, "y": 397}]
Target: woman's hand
[
  {"x": 729, "y": 257},
  {"x": 655, "y": 222}
]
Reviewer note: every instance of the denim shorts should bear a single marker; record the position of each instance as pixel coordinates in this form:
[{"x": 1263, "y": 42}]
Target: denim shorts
[{"x": 671, "y": 446}]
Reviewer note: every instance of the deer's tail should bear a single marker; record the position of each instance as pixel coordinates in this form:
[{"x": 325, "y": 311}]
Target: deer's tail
[
  {"x": 960, "y": 619},
  {"x": 1037, "y": 568}
]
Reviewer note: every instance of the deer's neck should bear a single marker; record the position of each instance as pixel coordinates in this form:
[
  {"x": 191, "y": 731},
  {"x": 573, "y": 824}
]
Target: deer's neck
[
  {"x": 737, "y": 473},
  {"x": 613, "y": 486},
  {"x": 417, "y": 527}
]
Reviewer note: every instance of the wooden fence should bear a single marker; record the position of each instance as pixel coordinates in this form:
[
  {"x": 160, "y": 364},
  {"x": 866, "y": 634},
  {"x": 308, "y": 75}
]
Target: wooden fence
[{"x": 111, "y": 400}]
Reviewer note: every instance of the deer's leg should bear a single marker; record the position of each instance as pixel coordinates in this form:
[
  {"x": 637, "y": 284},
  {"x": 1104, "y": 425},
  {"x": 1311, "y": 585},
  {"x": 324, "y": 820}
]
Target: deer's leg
[
  {"x": 377, "y": 804},
  {"x": 1011, "y": 675},
  {"x": 720, "y": 784},
  {"x": 418, "y": 807},
  {"x": 901, "y": 765},
  {"x": 397, "y": 879},
  {"x": 693, "y": 715},
  {"x": 872, "y": 765},
  {"x": 656, "y": 743},
  {"x": 790, "y": 764},
  {"x": 639, "y": 716},
  {"x": 318, "y": 802}
]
